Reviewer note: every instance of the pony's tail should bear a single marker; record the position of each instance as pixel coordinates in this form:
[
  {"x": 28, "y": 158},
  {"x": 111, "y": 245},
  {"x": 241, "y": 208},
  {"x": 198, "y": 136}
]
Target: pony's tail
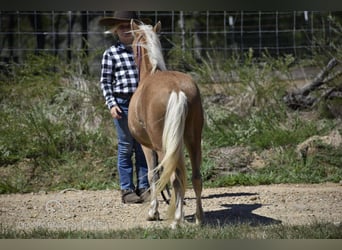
[{"x": 173, "y": 163}]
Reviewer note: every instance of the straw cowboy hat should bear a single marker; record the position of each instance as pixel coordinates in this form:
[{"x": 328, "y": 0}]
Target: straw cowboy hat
[{"x": 122, "y": 16}]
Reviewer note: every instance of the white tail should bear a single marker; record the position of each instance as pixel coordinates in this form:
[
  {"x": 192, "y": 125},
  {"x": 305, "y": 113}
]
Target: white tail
[{"x": 173, "y": 144}]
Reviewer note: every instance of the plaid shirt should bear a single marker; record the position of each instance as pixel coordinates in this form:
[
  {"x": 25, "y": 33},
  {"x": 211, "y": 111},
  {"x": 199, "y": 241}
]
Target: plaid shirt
[{"x": 119, "y": 73}]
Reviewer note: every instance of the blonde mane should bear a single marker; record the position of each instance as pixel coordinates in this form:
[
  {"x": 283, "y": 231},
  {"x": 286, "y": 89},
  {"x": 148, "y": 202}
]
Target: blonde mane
[{"x": 153, "y": 47}]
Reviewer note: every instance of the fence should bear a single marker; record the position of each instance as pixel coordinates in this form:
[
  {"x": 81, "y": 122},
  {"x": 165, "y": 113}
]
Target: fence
[{"x": 223, "y": 32}]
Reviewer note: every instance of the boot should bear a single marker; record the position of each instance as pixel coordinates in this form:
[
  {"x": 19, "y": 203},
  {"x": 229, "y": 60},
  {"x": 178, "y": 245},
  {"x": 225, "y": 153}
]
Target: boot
[
  {"x": 144, "y": 194},
  {"x": 130, "y": 197}
]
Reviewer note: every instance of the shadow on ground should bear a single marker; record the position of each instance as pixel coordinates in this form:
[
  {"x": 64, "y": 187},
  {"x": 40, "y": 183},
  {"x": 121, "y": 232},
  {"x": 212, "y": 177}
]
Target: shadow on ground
[{"x": 234, "y": 213}]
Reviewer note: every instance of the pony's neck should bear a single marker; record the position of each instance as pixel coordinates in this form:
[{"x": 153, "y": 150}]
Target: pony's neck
[
  {"x": 145, "y": 67},
  {"x": 150, "y": 55}
]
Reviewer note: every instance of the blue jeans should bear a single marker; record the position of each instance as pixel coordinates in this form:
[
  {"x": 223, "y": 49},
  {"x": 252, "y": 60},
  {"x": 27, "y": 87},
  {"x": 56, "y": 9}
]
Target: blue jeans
[{"x": 127, "y": 146}]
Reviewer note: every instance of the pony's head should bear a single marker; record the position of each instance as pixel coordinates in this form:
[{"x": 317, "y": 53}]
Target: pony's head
[{"x": 146, "y": 43}]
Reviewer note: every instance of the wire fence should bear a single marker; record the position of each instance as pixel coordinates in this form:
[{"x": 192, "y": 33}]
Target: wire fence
[{"x": 71, "y": 33}]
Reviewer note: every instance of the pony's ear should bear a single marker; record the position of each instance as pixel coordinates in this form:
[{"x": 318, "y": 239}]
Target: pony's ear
[
  {"x": 157, "y": 27},
  {"x": 134, "y": 26}
]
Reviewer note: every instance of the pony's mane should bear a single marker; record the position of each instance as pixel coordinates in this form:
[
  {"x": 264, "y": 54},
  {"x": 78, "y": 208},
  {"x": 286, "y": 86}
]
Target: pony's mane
[{"x": 153, "y": 47}]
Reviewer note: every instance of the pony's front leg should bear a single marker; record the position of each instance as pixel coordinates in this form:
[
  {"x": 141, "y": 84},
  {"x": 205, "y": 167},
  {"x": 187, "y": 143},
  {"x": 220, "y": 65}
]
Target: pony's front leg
[{"x": 152, "y": 161}]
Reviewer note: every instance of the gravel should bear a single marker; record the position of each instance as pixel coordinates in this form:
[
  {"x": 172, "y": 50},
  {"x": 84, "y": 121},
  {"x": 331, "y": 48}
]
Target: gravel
[{"x": 102, "y": 210}]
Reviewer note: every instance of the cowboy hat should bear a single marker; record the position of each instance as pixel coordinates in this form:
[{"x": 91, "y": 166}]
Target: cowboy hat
[{"x": 122, "y": 16}]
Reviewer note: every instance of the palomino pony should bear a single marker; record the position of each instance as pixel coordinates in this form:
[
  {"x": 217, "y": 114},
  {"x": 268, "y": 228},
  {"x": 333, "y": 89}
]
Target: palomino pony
[{"x": 165, "y": 113}]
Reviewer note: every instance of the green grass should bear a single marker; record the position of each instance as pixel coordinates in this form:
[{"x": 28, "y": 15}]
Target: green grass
[
  {"x": 285, "y": 167},
  {"x": 57, "y": 133},
  {"x": 47, "y": 138},
  {"x": 234, "y": 231}
]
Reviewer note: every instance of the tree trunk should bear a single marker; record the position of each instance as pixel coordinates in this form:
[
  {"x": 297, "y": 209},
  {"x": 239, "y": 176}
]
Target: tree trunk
[{"x": 301, "y": 98}]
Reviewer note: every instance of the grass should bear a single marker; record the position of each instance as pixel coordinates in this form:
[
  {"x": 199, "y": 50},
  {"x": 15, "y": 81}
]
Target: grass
[
  {"x": 52, "y": 131},
  {"x": 56, "y": 132},
  {"x": 325, "y": 166},
  {"x": 234, "y": 231}
]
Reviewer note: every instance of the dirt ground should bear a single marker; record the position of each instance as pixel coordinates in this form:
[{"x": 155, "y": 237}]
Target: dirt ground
[{"x": 102, "y": 210}]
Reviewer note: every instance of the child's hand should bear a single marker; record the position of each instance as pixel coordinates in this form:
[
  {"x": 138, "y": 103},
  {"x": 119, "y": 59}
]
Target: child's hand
[{"x": 116, "y": 112}]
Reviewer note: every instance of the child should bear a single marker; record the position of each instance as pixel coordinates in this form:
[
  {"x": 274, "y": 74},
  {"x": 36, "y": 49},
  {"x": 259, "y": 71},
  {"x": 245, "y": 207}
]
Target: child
[{"x": 119, "y": 80}]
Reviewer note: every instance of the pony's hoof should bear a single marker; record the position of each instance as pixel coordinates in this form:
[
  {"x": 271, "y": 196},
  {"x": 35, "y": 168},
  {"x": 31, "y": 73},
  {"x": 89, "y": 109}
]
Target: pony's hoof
[
  {"x": 175, "y": 225},
  {"x": 199, "y": 220},
  {"x": 154, "y": 217}
]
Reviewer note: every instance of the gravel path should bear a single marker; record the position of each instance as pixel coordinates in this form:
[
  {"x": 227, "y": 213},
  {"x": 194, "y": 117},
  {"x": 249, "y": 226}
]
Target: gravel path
[{"x": 103, "y": 210}]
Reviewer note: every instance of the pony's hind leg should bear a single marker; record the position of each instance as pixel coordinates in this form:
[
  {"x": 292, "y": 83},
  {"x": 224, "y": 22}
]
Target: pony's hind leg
[
  {"x": 152, "y": 162},
  {"x": 178, "y": 194},
  {"x": 195, "y": 155}
]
